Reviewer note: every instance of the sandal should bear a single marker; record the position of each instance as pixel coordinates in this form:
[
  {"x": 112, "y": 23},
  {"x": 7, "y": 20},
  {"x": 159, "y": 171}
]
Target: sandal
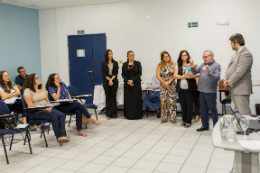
[
  {"x": 108, "y": 118},
  {"x": 187, "y": 125},
  {"x": 196, "y": 119},
  {"x": 183, "y": 124}
]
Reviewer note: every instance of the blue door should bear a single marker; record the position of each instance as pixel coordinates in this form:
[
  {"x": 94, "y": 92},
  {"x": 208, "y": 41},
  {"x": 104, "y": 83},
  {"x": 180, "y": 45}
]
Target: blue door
[{"x": 86, "y": 53}]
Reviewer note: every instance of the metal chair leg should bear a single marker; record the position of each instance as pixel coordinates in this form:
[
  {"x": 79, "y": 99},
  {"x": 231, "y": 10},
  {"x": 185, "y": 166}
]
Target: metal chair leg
[
  {"x": 49, "y": 128},
  {"x": 96, "y": 114},
  {"x": 70, "y": 121},
  {"x": 3, "y": 141},
  {"x": 86, "y": 126},
  {"x": 44, "y": 136},
  {"x": 11, "y": 142},
  {"x": 27, "y": 135}
]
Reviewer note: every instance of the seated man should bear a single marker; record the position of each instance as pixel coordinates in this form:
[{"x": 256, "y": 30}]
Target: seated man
[
  {"x": 153, "y": 100},
  {"x": 19, "y": 80}
]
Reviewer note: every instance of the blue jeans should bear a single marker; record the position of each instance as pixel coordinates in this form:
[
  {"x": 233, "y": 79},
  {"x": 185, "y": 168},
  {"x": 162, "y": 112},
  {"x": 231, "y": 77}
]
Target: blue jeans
[
  {"x": 76, "y": 108},
  {"x": 57, "y": 119},
  {"x": 153, "y": 100},
  {"x": 208, "y": 102}
]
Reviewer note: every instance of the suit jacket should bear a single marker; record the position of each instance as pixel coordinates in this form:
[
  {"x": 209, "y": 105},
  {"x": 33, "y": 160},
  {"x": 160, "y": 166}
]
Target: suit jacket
[
  {"x": 238, "y": 73},
  {"x": 137, "y": 72},
  {"x": 105, "y": 71}
]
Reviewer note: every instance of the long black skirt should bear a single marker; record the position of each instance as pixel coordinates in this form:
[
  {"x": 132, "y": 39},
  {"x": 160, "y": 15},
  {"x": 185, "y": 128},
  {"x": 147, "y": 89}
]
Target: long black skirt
[{"x": 133, "y": 104}]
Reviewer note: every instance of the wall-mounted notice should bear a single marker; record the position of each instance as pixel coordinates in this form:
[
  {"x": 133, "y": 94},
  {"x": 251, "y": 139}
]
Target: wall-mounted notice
[{"x": 193, "y": 24}]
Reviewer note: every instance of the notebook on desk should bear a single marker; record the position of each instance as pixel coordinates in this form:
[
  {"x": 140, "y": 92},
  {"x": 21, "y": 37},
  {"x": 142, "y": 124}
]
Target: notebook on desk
[{"x": 253, "y": 124}]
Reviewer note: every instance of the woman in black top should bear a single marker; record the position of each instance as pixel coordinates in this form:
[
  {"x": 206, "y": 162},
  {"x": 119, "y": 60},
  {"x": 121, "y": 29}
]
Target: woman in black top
[
  {"x": 186, "y": 88},
  {"x": 109, "y": 69},
  {"x": 131, "y": 72}
]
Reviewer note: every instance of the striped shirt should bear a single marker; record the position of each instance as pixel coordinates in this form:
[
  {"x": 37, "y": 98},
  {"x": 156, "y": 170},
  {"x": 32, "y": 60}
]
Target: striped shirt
[
  {"x": 63, "y": 91},
  {"x": 208, "y": 83}
]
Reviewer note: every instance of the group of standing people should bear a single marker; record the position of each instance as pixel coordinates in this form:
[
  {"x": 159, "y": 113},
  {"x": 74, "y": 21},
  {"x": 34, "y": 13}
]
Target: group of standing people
[{"x": 194, "y": 84}]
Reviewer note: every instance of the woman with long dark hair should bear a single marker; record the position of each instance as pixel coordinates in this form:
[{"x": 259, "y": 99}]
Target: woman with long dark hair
[
  {"x": 186, "y": 87},
  {"x": 131, "y": 73},
  {"x": 35, "y": 94},
  {"x": 109, "y": 69},
  {"x": 58, "y": 90}
]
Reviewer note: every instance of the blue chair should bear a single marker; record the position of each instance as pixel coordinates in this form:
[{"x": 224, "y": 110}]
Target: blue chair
[
  {"x": 31, "y": 111},
  {"x": 224, "y": 101},
  {"x": 5, "y": 118},
  {"x": 74, "y": 92}
]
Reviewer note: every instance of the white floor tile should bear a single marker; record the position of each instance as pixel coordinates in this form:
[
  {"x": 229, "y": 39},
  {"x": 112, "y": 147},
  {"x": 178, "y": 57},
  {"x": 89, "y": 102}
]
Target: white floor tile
[
  {"x": 146, "y": 165},
  {"x": 163, "y": 143},
  {"x": 50, "y": 152},
  {"x": 180, "y": 152},
  {"x": 106, "y": 144},
  {"x": 18, "y": 168},
  {"x": 207, "y": 147},
  {"x": 113, "y": 169},
  {"x": 153, "y": 156},
  {"x": 158, "y": 149},
  {"x": 191, "y": 161},
  {"x": 61, "y": 171},
  {"x": 53, "y": 162},
  {"x": 168, "y": 167},
  {"x": 92, "y": 168},
  {"x": 223, "y": 156},
  {"x": 36, "y": 160},
  {"x": 201, "y": 154},
  {"x": 175, "y": 159},
  {"x": 132, "y": 170},
  {"x": 73, "y": 165},
  {"x": 141, "y": 147},
  {"x": 106, "y": 160},
  {"x": 148, "y": 141},
  {"x": 220, "y": 164},
  {"x": 184, "y": 145},
  {"x": 114, "y": 152},
  {"x": 123, "y": 145},
  {"x": 133, "y": 154},
  {"x": 68, "y": 154},
  {"x": 214, "y": 170},
  {"x": 86, "y": 157},
  {"x": 39, "y": 169},
  {"x": 96, "y": 150},
  {"x": 124, "y": 162},
  {"x": 192, "y": 169}
]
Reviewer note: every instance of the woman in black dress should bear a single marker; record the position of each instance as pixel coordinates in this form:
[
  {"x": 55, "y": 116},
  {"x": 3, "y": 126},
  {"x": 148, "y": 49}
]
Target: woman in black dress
[
  {"x": 131, "y": 72},
  {"x": 109, "y": 69}
]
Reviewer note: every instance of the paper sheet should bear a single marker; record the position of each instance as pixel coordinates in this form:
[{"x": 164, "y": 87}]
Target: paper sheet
[
  {"x": 11, "y": 100},
  {"x": 250, "y": 145},
  {"x": 22, "y": 126}
]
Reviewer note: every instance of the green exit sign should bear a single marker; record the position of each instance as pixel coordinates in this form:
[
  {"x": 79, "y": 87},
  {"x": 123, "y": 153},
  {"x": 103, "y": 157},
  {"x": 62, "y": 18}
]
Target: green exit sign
[
  {"x": 193, "y": 24},
  {"x": 81, "y": 32}
]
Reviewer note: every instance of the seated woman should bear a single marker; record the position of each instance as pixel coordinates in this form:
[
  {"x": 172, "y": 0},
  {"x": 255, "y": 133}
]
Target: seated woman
[
  {"x": 8, "y": 89},
  {"x": 35, "y": 94},
  {"x": 58, "y": 90}
]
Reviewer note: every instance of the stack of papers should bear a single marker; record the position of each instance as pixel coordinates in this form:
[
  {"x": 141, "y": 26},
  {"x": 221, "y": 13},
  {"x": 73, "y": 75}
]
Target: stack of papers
[
  {"x": 11, "y": 100},
  {"x": 250, "y": 145}
]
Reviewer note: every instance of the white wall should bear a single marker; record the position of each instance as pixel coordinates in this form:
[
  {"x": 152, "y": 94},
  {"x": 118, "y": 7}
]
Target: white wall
[{"x": 127, "y": 29}]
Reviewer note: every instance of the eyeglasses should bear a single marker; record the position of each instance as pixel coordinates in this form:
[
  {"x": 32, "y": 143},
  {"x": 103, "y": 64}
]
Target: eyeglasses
[
  {"x": 184, "y": 55},
  {"x": 37, "y": 78},
  {"x": 205, "y": 57}
]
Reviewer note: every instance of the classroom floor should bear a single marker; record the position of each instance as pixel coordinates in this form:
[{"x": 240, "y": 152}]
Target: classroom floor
[{"x": 119, "y": 146}]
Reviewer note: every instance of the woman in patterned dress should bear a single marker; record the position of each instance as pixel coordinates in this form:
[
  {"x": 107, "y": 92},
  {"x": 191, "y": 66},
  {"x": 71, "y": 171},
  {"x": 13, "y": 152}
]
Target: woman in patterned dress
[{"x": 165, "y": 74}]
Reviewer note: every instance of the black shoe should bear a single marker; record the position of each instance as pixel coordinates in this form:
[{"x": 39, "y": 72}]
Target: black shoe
[
  {"x": 202, "y": 129},
  {"x": 159, "y": 113}
]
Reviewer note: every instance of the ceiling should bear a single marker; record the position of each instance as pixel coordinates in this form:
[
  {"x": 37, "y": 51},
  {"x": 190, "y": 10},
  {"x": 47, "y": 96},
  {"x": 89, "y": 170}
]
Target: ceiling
[{"x": 44, "y": 4}]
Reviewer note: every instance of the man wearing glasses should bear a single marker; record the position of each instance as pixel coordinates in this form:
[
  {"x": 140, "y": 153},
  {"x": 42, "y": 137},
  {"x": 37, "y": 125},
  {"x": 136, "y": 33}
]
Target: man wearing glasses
[{"x": 209, "y": 77}]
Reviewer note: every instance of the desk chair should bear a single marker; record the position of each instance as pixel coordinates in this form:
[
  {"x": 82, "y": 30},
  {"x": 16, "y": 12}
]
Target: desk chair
[
  {"x": 225, "y": 101},
  {"x": 40, "y": 123},
  {"x": 74, "y": 92},
  {"x": 7, "y": 121}
]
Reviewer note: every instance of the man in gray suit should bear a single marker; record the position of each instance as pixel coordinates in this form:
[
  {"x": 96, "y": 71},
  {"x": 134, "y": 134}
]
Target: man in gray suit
[{"x": 238, "y": 75}]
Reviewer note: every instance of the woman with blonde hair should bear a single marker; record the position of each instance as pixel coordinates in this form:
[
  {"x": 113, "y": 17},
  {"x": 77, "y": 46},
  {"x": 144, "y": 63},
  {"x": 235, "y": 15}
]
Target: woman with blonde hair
[{"x": 165, "y": 74}]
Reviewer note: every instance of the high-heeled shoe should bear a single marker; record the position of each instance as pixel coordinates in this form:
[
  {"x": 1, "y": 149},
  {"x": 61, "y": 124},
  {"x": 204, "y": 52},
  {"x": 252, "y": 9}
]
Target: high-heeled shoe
[
  {"x": 197, "y": 118},
  {"x": 63, "y": 139},
  {"x": 81, "y": 133},
  {"x": 61, "y": 143}
]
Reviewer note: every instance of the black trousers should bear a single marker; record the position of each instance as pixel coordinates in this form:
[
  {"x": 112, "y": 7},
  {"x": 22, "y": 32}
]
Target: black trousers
[
  {"x": 186, "y": 98},
  {"x": 111, "y": 105},
  {"x": 197, "y": 103}
]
